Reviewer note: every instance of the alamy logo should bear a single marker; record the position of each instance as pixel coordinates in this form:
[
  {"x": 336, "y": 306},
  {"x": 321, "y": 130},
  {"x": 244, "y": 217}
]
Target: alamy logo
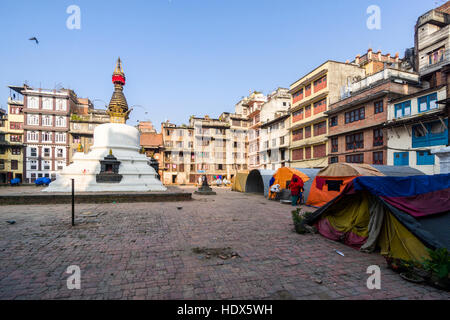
[
  {"x": 74, "y": 20},
  {"x": 74, "y": 280},
  {"x": 374, "y": 280},
  {"x": 374, "y": 20}
]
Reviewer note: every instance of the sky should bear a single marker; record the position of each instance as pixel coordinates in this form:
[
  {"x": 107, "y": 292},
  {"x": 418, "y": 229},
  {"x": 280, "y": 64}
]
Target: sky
[{"x": 190, "y": 57}]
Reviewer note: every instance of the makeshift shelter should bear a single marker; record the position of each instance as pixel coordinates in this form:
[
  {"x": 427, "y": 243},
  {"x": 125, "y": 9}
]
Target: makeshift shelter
[
  {"x": 331, "y": 180},
  {"x": 283, "y": 177},
  {"x": 402, "y": 216},
  {"x": 311, "y": 173},
  {"x": 397, "y": 171},
  {"x": 238, "y": 181},
  {"x": 258, "y": 181}
]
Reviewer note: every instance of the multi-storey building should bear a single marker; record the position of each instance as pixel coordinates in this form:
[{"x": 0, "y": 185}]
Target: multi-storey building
[
  {"x": 417, "y": 124},
  {"x": 355, "y": 133},
  {"x": 11, "y": 140},
  {"x": 151, "y": 142},
  {"x": 211, "y": 147},
  {"x": 46, "y": 130},
  {"x": 275, "y": 141},
  {"x": 311, "y": 96},
  {"x": 83, "y": 120},
  {"x": 274, "y": 135},
  {"x": 251, "y": 108}
]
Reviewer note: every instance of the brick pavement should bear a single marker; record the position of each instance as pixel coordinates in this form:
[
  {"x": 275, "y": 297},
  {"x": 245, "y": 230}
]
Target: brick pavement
[{"x": 144, "y": 251}]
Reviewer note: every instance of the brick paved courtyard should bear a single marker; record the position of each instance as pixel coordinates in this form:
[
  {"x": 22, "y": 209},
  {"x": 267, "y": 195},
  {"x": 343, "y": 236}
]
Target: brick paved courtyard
[{"x": 147, "y": 251}]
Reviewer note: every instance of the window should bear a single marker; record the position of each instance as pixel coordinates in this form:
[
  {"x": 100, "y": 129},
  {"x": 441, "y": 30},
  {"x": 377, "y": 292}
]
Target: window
[
  {"x": 320, "y": 151},
  {"x": 425, "y": 158},
  {"x": 436, "y": 56},
  {"x": 297, "y": 96},
  {"x": 60, "y": 105},
  {"x": 334, "y": 144},
  {"x": 297, "y": 115},
  {"x": 401, "y": 158},
  {"x": 46, "y": 136},
  {"x": 2, "y": 164},
  {"x": 168, "y": 132},
  {"x": 333, "y": 121},
  {"x": 33, "y": 152},
  {"x": 308, "y": 153},
  {"x": 334, "y": 159},
  {"x": 307, "y": 111},
  {"x": 281, "y": 140},
  {"x": 47, "y": 121},
  {"x": 60, "y": 137},
  {"x": 377, "y": 137},
  {"x": 33, "y": 103},
  {"x": 402, "y": 109},
  {"x": 14, "y": 164},
  {"x": 297, "y": 135},
  {"x": 33, "y": 136},
  {"x": 308, "y": 90},
  {"x": 46, "y": 152},
  {"x": 15, "y": 110},
  {"x": 320, "y": 106},
  {"x": 33, "y": 120},
  {"x": 320, "y": 128},
  {"x": 46, "y": 165},
  {"x": 297, "y": 154},
  {"x": 15, "y": 151},
  {"x": 320, "y": 84},
  {"x": 355, "y": 158},
  {"x": 434, "y": 134},
  {"x": 47, "y": 104},
  {"x": 355, "y": 115},
  {"x": 307, "y": 132},
  {"x": 15, "y": 125},
  {"x": 15, "y": 138},
  {"x": 2, "y": 137},
  {"x": 427, "y": 102},
  {"x": 378, "y": 157},
  {"x": 60, "y": 165},
  {"x": 354, "y": 141},
  {"x": 378, "y": 107},
  {"x": 33, "y": 165},
  {"x": 60, "y": 121},
  {"x": 60, "y": 153}
]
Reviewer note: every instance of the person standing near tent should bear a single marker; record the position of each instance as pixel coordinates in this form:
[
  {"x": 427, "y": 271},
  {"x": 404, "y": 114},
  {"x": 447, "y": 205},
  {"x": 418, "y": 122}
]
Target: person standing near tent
[{"x": 296, "y": 187}]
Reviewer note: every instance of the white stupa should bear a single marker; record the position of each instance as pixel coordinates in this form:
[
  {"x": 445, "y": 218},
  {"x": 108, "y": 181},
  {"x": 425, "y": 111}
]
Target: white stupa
[{"x": 114, "y": 162}]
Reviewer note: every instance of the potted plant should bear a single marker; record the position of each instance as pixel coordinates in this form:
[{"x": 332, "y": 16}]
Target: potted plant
[
  {"x": 438, "y": 264},
  {"x": 298, "y": 222}
]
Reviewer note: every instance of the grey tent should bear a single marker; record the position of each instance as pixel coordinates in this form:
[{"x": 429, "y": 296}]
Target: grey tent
[
  {"x": 311, "y": 173},
  {"x": 258, "y": 181},
  {"x": 397, "y": 171}
]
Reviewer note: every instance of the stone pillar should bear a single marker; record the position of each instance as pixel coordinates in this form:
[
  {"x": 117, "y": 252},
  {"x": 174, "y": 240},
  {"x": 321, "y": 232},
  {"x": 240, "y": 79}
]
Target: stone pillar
[{"x": 444, "y": 159}]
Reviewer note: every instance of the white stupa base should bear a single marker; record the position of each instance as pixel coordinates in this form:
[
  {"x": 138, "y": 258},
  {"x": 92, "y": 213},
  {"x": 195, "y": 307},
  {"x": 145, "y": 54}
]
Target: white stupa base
[{"x": 123, "y": 141}]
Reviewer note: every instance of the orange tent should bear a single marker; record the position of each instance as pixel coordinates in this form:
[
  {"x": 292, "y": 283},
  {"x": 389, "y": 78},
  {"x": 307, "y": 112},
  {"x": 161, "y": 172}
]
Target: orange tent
[
  {"x": 330, "y": 181},
  {"x": 283, "y": 175}
]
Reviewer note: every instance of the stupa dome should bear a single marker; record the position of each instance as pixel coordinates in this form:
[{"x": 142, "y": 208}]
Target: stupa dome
[{"x": 116, "y": 135}]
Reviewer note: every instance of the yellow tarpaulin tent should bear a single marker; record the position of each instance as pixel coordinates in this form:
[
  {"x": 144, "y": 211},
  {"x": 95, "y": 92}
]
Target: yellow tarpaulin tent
[{"x": 239, "y": 181}]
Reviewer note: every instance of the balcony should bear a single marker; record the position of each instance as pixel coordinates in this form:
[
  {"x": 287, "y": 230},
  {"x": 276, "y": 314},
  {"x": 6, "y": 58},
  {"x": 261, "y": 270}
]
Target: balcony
[{"x": 347, "y": 91}]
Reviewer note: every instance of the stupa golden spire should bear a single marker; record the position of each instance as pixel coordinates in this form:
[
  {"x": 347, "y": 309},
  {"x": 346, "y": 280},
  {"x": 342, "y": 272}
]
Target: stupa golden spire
[{"x": 118, "y": 106}]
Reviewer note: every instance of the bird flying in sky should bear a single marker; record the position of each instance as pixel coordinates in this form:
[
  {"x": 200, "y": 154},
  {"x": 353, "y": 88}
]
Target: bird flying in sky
[{"x": 34, "y": 39}]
